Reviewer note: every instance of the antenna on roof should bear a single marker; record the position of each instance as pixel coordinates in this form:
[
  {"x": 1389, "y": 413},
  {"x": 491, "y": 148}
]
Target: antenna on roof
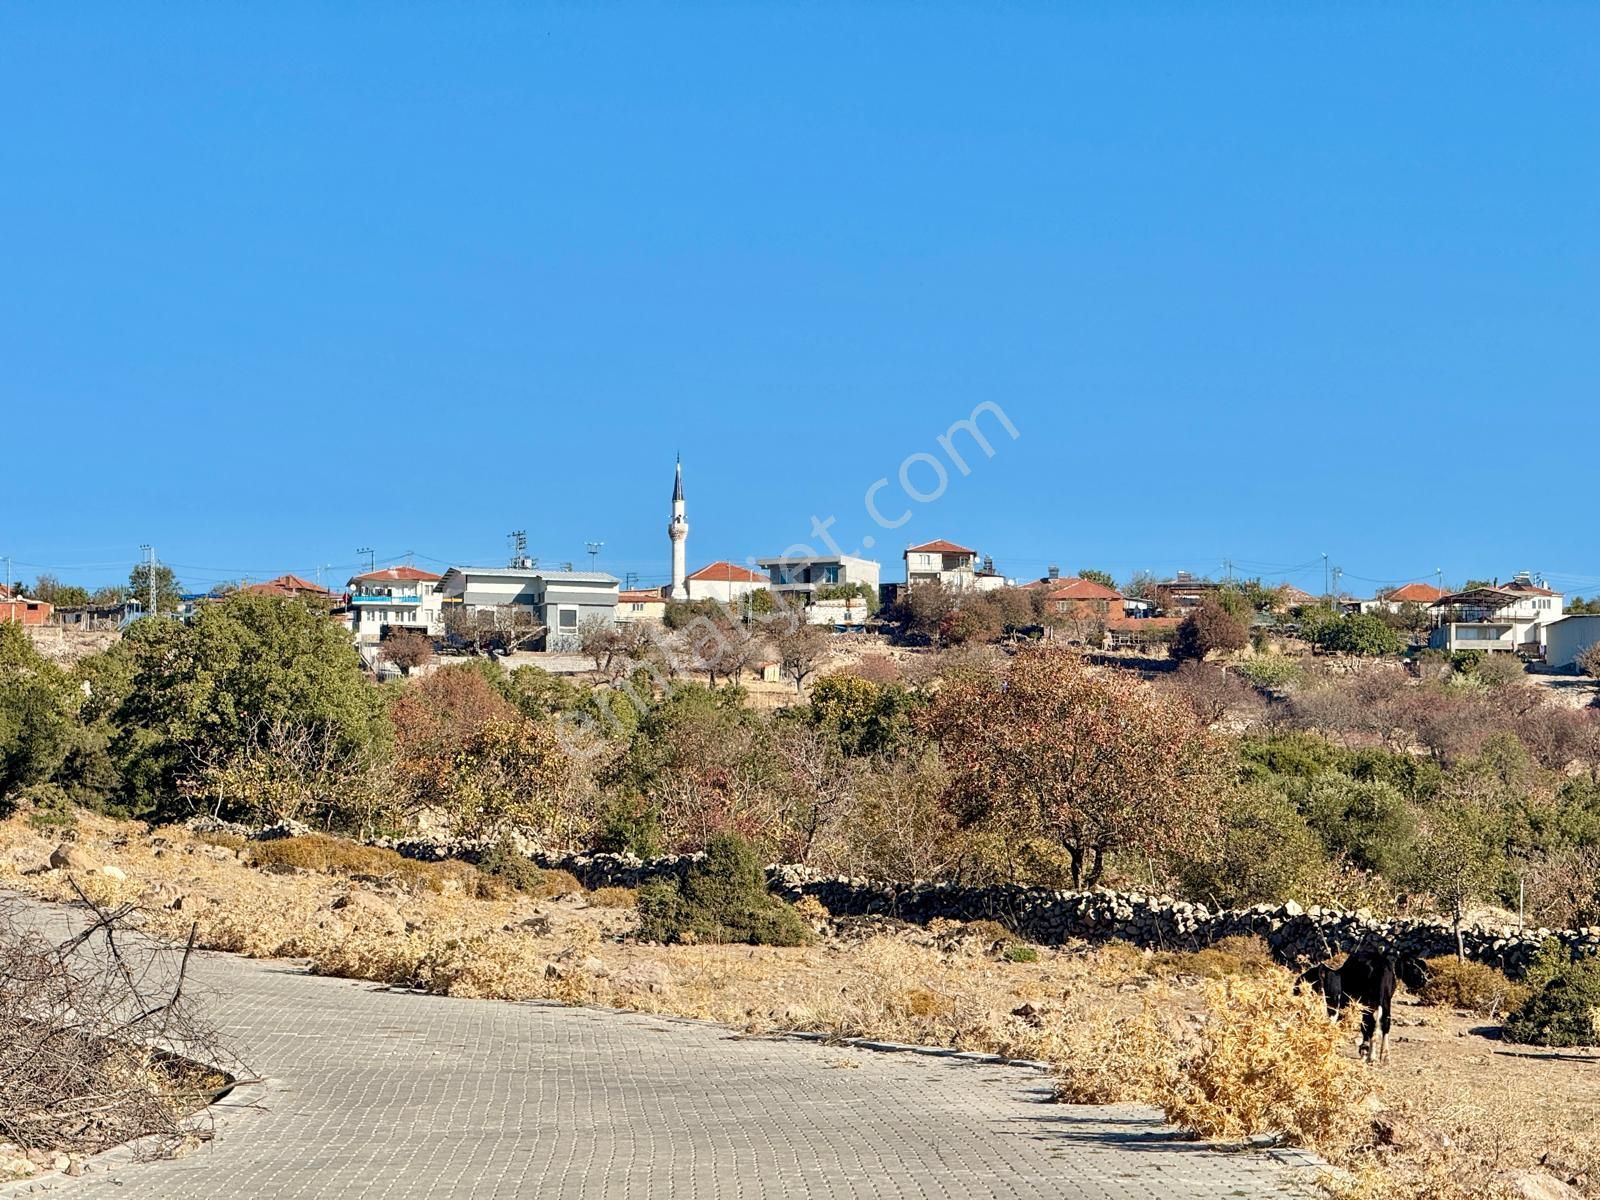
[
  {"x": 519, "y": 548},
  {"x": 594, "y": 552}
]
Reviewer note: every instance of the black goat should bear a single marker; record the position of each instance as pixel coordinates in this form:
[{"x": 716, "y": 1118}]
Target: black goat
[{"x": 1367, "y": 978}]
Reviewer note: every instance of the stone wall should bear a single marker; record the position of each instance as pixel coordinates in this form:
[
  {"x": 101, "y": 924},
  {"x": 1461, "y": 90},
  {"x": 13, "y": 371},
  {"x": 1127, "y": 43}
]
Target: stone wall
[
  {"x": 1296, "y": 934},
  {"x": 1049, "y": 917}
]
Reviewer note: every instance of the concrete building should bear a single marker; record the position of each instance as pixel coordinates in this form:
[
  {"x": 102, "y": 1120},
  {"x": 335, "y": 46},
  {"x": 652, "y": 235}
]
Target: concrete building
[
  {"x": 1511, "y": 617},
  {"x": 678, "y": 534},
  {"x": 802, "y": 578},
  {"x": 724, "y": 582},
  {"x": 395, "y": 598},
  {"x": 1569, "y": 637},
  {"x": 560, "y": 601}
]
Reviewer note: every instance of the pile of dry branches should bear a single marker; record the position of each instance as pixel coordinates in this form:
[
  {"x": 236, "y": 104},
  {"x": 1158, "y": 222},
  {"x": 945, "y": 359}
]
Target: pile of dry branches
[{"x": 101, "y": 1039}]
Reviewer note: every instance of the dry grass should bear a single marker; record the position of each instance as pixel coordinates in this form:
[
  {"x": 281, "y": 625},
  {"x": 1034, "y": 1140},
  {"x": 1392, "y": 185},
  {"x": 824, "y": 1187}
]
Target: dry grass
[
  {"x": 614, "y": 897},
  {"x": 1473, "y": 986},
  {"x": 1269, "y": 1061},
  {"x": 1214, "y": 1037}
]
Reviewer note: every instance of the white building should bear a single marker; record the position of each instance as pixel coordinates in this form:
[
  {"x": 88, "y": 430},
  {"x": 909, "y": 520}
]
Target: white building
[
  {"x": 643, "y": 604},
  {"x": 1569, "y": 637},
  {"x": 724, "y": 582},
  {"x": 1512, "y": 617},
  {"x": 395, "y": 598},
  {"x": 803, "y": 578},
  {"x": 952, "y": 566},
  {"x": 560, "y": 601}
]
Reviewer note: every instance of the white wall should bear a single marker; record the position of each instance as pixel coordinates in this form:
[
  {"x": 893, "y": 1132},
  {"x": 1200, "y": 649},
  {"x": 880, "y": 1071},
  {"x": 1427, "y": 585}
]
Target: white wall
[{"x": 1570, "y": 637}]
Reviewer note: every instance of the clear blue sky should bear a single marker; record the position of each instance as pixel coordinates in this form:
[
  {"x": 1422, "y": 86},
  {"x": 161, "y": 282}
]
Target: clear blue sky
[{"x": 1251, "y": 281}]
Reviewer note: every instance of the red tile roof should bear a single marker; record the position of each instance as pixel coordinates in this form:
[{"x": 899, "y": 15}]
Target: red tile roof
[
  {"x": 939, "y": 547},
  {"x": 727, "y": 572},
  {"x": 396, "y": 574},
  {"x": 287, "y": 585},
  {"x": 1082, "y": 589},
  {"x": 1417, "y": 593}
]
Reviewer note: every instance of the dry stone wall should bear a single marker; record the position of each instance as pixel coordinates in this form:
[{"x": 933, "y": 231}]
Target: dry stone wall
[{"x": 1296, "y": 934}]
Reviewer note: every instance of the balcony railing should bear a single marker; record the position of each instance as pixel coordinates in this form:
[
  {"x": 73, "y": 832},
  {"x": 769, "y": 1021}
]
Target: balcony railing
[{"x": 360, "y": 598}]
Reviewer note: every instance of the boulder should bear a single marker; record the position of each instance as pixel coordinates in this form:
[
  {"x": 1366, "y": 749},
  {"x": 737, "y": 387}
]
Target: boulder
[
  {"x": 69, "y": 856},
  {"x": 644, "y": 976},
  {"x": 112, "y": 872}
]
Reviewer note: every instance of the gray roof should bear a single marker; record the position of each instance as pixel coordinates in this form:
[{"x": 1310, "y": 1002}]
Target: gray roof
[{"x": 536, "y": 573}]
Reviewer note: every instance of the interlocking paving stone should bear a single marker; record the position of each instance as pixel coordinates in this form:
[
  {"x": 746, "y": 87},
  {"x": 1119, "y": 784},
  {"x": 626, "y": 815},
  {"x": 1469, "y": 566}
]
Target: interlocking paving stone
[{"x": 371, "y": 1093}]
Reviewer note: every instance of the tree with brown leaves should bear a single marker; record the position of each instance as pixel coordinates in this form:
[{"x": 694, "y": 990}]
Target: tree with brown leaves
[{"x": 1091, "y": 759}]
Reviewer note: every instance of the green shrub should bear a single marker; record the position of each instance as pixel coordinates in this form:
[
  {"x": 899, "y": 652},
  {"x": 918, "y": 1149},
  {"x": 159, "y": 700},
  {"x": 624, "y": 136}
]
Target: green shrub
[
  {"x": 1021, "y": 954},
  {"x": 1459, "y": 983},
  {"x": 1562, "y": 1011},
  {"x": 723, "y": 898},
  {"x": 503, "y": 863},
  {"x": 49, "y": 807},
  {"x": 1269, "y": 670},
  {"x": 629, "y": 827}
]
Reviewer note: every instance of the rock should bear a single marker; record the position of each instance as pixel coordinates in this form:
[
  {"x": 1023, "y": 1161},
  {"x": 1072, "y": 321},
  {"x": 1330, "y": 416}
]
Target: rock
[
  {"x": 113, "y": 872},
  {"x": 1291, "y": 909},
  {"x": 363, "y": 911},
  {"x": 69, "y": 856},
  {"x": 1536, "y": 1185}
]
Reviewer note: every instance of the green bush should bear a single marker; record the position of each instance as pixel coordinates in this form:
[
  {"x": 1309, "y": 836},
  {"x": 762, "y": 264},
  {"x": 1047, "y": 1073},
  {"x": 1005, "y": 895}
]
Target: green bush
[
  {"x": 1269, "y": 670},
  {"x": 722, "y": 898},
  {"x": 629, "y": 827},
  {"x": 503, "y": 863},
  {"x": 1562, "y": 1011},
  {"x": 49, "y": 807},
  {"x": 1021, "y": 954}
]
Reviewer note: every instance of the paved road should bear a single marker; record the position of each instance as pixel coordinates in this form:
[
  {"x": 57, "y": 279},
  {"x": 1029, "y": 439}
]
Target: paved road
[{"x": 372, "y": 1094}]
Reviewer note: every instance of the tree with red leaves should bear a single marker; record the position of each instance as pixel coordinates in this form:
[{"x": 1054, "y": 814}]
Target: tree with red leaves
[{"x": 1090, "y": 758}]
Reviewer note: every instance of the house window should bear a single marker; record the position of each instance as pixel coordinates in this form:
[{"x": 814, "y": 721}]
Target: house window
[
  {"x": 830, "y": 574},
  {"x": 567, "y": 618}
]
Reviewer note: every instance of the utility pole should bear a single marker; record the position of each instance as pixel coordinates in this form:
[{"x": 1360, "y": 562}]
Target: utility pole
[
  {"x": 8, "y": 577},
  {"x": 372, "y": 564},
  {"x": 1325, "y": 591},
  {"x": 630, "y": 580},
  {"x": 594, "y": 552},
  {"x": 519, "y": 546},
  {"x": 150, "y": 575}
]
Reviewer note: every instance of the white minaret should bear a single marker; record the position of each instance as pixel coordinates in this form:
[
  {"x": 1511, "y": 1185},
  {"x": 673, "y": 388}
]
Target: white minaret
[{"x": 678, "y": 531}]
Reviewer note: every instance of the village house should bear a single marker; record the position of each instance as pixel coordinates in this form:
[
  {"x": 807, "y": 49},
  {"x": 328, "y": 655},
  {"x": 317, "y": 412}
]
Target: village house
[
  {"x": 561, "y": 602},
  {"x": 24, "y": 610},
  {"x": 952, "y": 566},
  {"x": 395, "y": 598},
  {"x": 1509, "y": 617},
  {"x": 724, "y": 582},
  {"x": 636, "y": 605}
]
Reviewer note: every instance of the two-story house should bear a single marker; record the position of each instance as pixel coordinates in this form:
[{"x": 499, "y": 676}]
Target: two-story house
[
  {"x": 1511, "y": 616},
  {"x": 395, "y": 598},
  {"x": 942, "y": 562},
  {"x": 561, "y": 602},
  {"x": 803, "y": 577}
]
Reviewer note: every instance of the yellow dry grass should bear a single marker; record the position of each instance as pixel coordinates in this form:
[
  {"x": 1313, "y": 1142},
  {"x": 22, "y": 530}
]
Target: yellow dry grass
[{"x": 1215, "y": 1038}]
